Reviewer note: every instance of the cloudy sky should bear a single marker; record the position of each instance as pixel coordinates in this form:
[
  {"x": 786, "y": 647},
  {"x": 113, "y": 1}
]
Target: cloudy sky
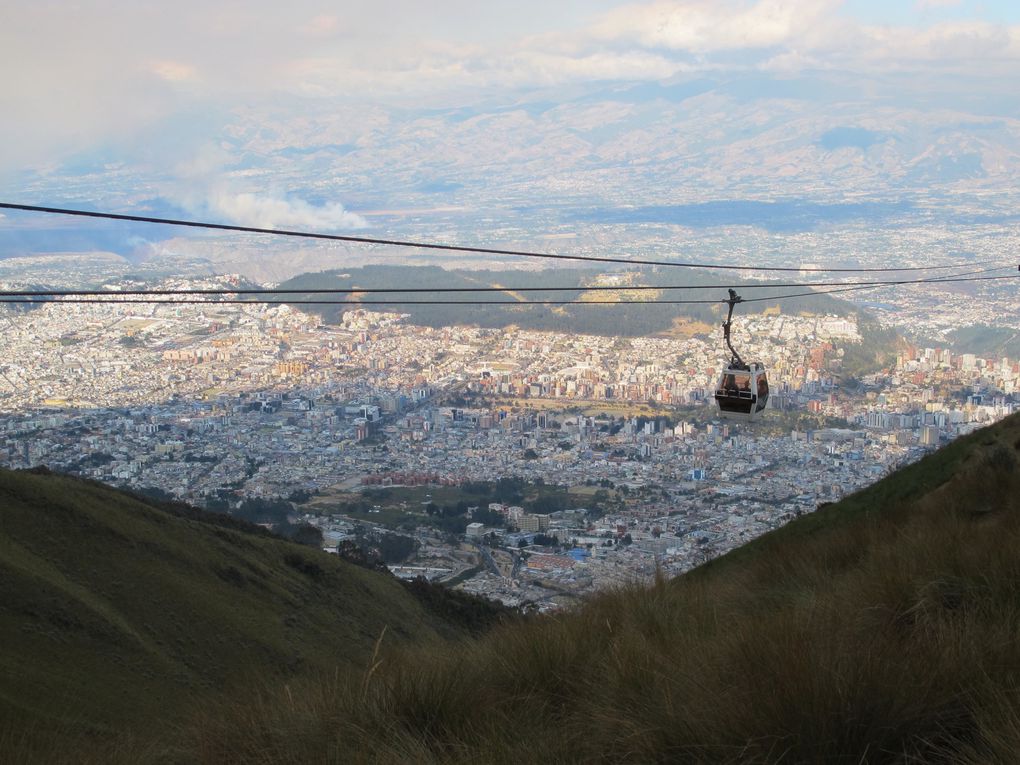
[
  {"x": 96, "y": 74},
  {"x": 91, "y": 68}
]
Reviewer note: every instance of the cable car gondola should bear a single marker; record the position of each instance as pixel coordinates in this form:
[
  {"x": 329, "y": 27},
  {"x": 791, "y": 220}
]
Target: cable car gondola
[{"x": 743, "y": 389}]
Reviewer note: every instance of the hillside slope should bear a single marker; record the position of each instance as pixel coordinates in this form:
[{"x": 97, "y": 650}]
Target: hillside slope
[
  {"x": 884, "y": 628},
  {"x": 635, "y": 319},
  {"x": 115, "y": 613}
]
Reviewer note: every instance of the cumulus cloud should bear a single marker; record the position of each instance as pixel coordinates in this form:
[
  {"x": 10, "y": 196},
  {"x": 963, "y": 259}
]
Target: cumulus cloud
[
  {"x": 449, "y": 70},
  {"x": 173, "y": 71},
  {"x": 786, "y": 36},
  {"x": 98, "y": 71},
  {"x": 261, "y": 211},
  {"x": 703, "y": 26},
  {"x": 974, "y": 47},
  {"x": 970, "y": 40},
  {"x": 632, "y": 65}
]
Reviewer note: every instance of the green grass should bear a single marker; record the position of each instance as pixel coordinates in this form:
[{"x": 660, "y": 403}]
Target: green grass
[
  {"x": 391, "y": 517},
  {"x": 402, "y": 507},
  {"x": 115, "y": 613}
]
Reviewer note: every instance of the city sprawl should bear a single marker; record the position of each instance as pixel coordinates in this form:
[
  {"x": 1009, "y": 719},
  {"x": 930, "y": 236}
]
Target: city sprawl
[{"x": 368, "y": 423}]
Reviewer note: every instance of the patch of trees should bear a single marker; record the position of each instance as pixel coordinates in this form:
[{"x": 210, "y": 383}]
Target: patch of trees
[
  {"x": 548, "y": 503},
  {"x": 374, "y": 549},
  {"x": 454, "y": 525},
  {"x": 259, "y": 510},
  {"x": 489, "y": 517},
  {"x": 509, "y": 490},
  {"x": 391, "y": 548},
  {"x": 156, "y": 493},
  {"x": 876, "y": 350},
  {"x": 477, "y": 488},
  {"x": 182, "y": 510},
  {"x": 302, "y": 533},
  {"x": 352, "y": 552},
  {"x": 217, "y": 505},
  {"x": 94, "y": 460},
  {"x": 299, "y": 496},
  {"x": 472, "y": 613}
]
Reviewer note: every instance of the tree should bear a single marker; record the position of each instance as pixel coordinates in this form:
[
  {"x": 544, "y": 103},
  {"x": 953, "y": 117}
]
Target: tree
[
  {"x": 509, "y": 489},
  {"x": 392, "y": 548},
  {"x": 489, "y": 518},
  {"x": 299, "y": 496},
  {"x": 352, "y": 552},
  {"x": 548, "y": 503},
  {"x": 156, "y": 493},
  {"x": 305, "y": 534},
  {"x": 259, "y": 510},
  {"x": 477, "y": 488},
  {"x": 217, "y": 505}
]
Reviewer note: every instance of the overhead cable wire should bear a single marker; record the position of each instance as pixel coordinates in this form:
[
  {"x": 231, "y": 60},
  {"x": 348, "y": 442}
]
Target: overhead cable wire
[
  {"x": 112, "y": 297},
  {"x": 430, "y": 290},
  {"x": 355, "y": 303},
  {"x": 457, "y": 247},
  {"x": 857, "y": 287}
]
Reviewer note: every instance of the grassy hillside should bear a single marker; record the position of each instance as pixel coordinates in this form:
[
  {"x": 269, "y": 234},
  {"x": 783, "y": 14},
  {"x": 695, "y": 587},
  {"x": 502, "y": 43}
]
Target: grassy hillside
[
  {"x": 115, "y": 613},
  {"x": 987, "y": 341},
  {"x": 883, "y": 628}
]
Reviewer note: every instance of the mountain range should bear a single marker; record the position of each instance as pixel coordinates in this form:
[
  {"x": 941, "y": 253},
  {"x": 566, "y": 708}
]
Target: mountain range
[{"x": 816, "y": 167}]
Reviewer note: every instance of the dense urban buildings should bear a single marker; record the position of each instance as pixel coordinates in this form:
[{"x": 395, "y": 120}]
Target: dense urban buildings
[{"x": 219, "y": 404}]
